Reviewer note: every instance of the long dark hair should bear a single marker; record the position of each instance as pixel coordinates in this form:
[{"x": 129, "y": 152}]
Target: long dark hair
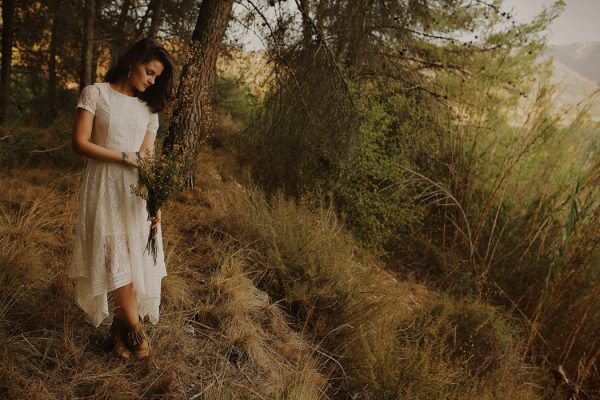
[{"x": 158, "y": 95}]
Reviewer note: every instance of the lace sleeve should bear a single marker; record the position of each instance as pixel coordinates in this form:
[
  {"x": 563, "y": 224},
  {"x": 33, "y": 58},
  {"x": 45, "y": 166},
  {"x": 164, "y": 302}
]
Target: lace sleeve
[
  {"x": 153, "y": 123},
  {"x": 88, "y": 98}
]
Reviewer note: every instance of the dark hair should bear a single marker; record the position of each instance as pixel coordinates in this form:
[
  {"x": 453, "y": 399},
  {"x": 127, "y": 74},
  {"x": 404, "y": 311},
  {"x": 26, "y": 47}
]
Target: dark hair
[{"x": 145, "y": 50}]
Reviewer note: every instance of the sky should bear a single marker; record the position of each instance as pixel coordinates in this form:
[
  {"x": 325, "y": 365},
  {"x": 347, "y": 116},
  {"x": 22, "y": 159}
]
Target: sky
[{"x": 578, "y": 22}]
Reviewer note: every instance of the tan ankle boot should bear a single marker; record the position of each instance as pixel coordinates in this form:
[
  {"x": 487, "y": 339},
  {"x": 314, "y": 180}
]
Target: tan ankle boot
[
  {"x": 138, "y": 340},
  {"x": 118, "y": 334}
]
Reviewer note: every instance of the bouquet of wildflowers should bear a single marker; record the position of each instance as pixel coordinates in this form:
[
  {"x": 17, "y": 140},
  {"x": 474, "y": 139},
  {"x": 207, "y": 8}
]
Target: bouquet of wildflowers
[{"x": 159, "y": 179}]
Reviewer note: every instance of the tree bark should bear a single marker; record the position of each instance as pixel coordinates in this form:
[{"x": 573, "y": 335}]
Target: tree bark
[
  {"x": 117, "y": 44},
  {"x": 357, "y": 15},
  {"x": 192, "y": 122},
  {"x": 157, "y": 9},
  {"x": 306, "y": 23},
  {"x": 52, "y": 79},
  {"x": 96, "y": 42},
  {"x": 87, "y": 50},
  {"x": 8, "y": 25},
  {"x": 320, "y": 14}
]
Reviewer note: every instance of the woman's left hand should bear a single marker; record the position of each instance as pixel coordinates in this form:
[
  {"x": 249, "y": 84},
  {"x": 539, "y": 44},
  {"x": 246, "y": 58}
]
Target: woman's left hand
[{"x": 155, "y": 220}]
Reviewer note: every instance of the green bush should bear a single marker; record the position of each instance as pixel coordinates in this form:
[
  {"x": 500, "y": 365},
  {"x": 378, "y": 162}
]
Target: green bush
[
  {"x": 375, "y": 192},
  {"x": 234, "y": 98},
  {"x": 35, "y": 146},
  {"x": 352, "y": 154},
  {"x": 29, "y": 99}
]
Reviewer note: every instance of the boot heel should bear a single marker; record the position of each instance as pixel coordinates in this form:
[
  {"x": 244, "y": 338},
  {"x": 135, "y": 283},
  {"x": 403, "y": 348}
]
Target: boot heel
[{"x": 138, "y": 340}]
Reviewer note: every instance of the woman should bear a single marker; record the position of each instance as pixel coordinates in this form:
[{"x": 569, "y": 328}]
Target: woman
[{"x": 116, "y": 123}]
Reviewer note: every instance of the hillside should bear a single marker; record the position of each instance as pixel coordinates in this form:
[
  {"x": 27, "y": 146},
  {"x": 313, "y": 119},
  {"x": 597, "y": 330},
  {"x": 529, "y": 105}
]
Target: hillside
[
  {"x": 261, "y": 301},
  {"x": 222, "y": 335},
  {"x": 581, "y": 57},
  {"x": 574, "y": 89},
  {"x": 391, "y": 201}
]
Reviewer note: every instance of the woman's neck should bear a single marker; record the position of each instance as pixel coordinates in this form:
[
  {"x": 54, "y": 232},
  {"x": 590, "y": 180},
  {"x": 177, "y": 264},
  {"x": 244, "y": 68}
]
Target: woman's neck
[{"x": 124, "y": 87}]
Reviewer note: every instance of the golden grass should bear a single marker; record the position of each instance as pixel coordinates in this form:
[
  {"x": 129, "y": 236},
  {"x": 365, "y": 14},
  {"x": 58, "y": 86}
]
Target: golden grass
[
  {"x": 357, "y": 313},
  {"x": 262, "y": 301},
  {"x": 49, "y": 352}
]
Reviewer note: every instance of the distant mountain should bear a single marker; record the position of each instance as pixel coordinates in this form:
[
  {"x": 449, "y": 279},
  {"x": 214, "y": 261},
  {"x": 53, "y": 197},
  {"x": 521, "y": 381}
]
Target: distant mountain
[
  {"x": 574, "y": 88},
  {"x": 583, "y": 58},
  {"x": 573, "y": 91}
]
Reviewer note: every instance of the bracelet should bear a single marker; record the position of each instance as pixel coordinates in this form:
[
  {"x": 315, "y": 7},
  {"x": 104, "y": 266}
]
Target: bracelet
[
  {"x": 137, "y": 154},
  {"x": 125, "y": 157}
]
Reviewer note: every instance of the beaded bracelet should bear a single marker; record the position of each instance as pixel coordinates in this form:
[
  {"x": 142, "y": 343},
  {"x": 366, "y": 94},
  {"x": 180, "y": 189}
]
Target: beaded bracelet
[{"x": 125, "y": 157}]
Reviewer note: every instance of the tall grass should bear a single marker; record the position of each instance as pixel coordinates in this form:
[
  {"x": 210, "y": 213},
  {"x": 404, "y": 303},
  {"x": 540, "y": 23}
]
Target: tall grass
[
  {"x": 361, "y": 317},
  {"x": 520, "y": 208}
]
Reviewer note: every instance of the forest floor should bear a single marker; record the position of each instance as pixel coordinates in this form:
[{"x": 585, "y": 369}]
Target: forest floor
[
  {"x": 218, "y": 336},
  {"x": 229, "y": 328}
]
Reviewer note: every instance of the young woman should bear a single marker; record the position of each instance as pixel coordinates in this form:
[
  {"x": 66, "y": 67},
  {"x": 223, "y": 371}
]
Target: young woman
[{"x": 117, "y": 122}]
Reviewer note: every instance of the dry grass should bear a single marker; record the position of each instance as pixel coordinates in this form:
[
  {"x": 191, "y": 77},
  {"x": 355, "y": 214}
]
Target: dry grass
[
  {"x": 262, "y": 301},
  {"x": 49, "y": 352},
  {"x": 358, "y": 314}
]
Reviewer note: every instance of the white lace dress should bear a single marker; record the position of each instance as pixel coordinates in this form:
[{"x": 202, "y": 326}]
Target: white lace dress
[{"x": 112, "y": 226}]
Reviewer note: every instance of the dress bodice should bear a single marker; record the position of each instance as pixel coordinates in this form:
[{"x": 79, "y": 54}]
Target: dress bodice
[{"x": 120, "y": 121}]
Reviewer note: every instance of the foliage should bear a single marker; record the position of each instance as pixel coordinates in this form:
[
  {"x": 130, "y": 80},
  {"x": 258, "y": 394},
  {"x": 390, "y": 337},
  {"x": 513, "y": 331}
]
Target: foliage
[
  {"x": 447, "y": 102},
  {"x": 373, "y": 191},
  {"x": 352, "y": 112},
  {"x": 117, "y": 25},
  {"x": 303, "y": 131},
  {"x": 15, "y": 147},
  {"x": 235, "y": 98}
]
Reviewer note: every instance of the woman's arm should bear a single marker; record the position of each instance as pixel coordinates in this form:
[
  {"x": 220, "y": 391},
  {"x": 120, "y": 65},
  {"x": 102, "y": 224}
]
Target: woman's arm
[
  {"x": 148, "y": 144},
  {"x": 82, "y": 134}
]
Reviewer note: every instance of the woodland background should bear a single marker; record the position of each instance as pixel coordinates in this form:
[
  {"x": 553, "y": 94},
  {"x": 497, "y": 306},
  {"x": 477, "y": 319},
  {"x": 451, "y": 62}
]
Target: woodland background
[{"x": 389, "y": 201}]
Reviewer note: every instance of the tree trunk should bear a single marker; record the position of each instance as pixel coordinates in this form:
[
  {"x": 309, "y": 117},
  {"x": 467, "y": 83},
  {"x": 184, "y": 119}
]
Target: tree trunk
[
  {"x": 191, "y": 121},
  {"x": 358, "y": 16},
  {"x": 320, "y": 15},
  {"x": 306, "y": 22},
  {"x": 8, "y": 21},
  {"x": 118, "y": 43},
  {"x": 95, "y": 50},
  {"x": 96, "y": 42},
  {"x": 87, "y": 50},
  {"x": 52, "y": 80},
  {"x": 157, "y": 9}
]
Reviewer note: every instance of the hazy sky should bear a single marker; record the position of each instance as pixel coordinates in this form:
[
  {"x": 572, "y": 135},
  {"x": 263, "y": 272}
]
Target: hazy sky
[{"x": 578, "y": 22}]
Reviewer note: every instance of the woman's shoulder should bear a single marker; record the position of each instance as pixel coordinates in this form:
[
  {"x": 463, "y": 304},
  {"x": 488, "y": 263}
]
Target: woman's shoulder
[
  {"x": 93, "y": 97},
  {"x": 90, "y": 90},
  {"x": 101, "y": 87},
  {"x": 95, "y": 90}
]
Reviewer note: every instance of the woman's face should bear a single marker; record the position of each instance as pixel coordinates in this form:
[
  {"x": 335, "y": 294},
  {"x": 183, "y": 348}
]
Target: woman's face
[{"x": 144, "y": 75}]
